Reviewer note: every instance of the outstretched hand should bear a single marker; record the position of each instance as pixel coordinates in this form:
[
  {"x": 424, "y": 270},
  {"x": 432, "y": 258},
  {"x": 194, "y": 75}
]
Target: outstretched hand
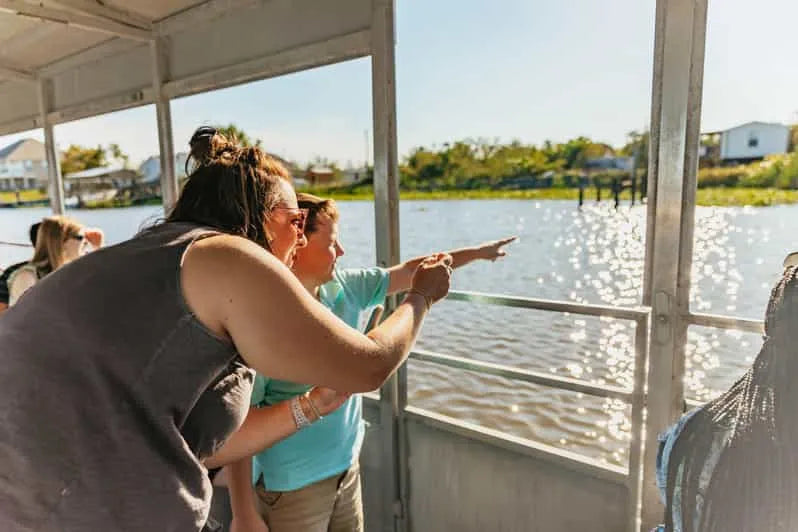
[{"x": 493, "y": 250}]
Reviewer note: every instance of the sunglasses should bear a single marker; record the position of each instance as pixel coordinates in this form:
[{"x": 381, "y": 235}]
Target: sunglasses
[
  {"x": 79, "y": 236},
  {"x": 298, "y": 217}
]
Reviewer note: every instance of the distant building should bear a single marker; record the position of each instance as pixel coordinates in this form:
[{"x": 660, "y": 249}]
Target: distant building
[
  {"x": 102, "y": 183},
  {"x": 150, "y": 169},
  {"x": 23, "y": 165},
  {"x": 354, "y": 175},
  {"x": 320, "y": 175},
  {"x": 753, "y": 141}
]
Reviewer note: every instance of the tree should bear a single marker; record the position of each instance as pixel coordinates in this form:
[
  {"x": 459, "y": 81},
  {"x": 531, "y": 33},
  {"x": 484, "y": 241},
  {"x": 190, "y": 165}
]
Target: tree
[
  {"x": 78, "y": 158},
  {"x": 238, "y": 135},
  {"x": 637, "y": 144},
  {"x": 117, "y": 154}
]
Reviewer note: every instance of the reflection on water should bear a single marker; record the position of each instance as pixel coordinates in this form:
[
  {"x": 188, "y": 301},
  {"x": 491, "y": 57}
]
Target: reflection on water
[{"x": 590, "y": 256}]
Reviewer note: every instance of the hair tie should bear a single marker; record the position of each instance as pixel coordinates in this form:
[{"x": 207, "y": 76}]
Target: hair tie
[{"x": 202, "y": 131}]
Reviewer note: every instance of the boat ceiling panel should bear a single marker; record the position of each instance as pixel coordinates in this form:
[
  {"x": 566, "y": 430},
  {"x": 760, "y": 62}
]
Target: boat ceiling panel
[
  {"x": 207, "y": 44},
  {"x": 274, "y": 26},
  {"x": 19, "y": 106},
  {"x": 69, "y": 39}
]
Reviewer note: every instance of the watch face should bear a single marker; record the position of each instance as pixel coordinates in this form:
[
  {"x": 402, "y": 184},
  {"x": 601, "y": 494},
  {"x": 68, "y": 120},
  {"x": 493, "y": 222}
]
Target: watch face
[{"x": 791, "y": 259}]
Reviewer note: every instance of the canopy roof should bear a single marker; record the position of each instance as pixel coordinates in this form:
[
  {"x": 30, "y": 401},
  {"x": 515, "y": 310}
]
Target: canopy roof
[{"x": 90, "y": 57}]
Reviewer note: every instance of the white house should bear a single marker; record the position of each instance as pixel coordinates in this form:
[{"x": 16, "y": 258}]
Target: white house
[
  {"x": 23, "y": 165},
  {"x": 150, "y": 169},
  {"x": 753, "y": 141}
]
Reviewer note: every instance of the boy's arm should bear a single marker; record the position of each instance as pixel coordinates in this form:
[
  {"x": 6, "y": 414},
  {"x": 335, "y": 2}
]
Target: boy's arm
[
  {"x": 242, "y": 498},
  {"x": 401, "y": 275}
]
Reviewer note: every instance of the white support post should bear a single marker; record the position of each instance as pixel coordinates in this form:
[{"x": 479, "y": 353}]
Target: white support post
[
  {"x": 56, "y": 184},
  {"x": 673, "y": 164},
  {"x": 393, "y": 397},
  {"x": 169, "y": 188}
]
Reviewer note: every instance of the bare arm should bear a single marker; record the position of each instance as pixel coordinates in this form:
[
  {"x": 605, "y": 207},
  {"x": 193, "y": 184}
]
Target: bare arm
[
  {"x": 282, "y": 331},
  {"x": 19, "y": 282},
  {"x": 265, "y": 426},
  {"x": 401, "y": 275},
  {"x": 242, "y": 497},
  {"x": 262, "y": 428}
]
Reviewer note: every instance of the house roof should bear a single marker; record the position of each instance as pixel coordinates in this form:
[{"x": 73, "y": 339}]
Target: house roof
[
  {"x": 757, "y": 123},
  {"x": 321, "y": 170},
  {"x": 103, "y": 171},
  {"x": 23, "y": 150}
]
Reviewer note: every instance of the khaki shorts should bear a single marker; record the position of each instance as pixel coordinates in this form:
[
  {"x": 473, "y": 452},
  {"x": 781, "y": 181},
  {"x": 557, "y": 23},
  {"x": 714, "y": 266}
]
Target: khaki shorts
[{"x": 330, "y": 505}]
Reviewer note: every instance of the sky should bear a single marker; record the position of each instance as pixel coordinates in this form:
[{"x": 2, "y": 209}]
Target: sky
[{"x": 505, "y": 69}]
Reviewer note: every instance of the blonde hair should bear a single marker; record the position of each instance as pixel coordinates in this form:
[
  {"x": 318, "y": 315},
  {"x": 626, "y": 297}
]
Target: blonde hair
[{"x": 50, "y": 239}]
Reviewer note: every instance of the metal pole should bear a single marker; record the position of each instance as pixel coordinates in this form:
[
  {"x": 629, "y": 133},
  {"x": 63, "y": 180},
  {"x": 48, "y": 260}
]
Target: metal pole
[
  {"x": 163, "y": 112},
  {"x": 636, "y": 444},
  {"x": 393, "y": 397},
  {"x": 678, "y": 73},
  {"x": 55, "y": 181}
]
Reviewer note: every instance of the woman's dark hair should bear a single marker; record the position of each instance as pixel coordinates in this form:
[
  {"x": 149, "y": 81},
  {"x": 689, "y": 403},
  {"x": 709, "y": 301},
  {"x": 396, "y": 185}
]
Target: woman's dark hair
[
  {"x": 33, "y": 232},
  {"x": 752, "y": 432},
  {"x": 231, "y": 188}
]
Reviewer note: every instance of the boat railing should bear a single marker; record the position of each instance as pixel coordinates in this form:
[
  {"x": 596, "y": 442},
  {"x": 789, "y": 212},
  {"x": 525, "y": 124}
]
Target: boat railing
[{"x": 630, "y": 476}]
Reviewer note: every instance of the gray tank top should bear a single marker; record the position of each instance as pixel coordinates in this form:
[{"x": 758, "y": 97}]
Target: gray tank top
[{"x": 111, "y": 393}]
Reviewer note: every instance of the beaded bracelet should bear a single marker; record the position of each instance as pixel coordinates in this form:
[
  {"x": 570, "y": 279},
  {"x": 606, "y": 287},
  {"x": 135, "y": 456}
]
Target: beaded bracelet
[{"x": 300, "y": 419}]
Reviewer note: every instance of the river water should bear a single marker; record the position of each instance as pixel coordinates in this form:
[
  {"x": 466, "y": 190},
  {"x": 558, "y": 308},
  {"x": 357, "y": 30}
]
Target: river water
[{"x": 591, "y": 256}]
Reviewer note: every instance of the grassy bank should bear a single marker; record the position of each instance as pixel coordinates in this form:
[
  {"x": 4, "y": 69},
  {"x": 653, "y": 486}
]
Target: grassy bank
[
  {"x": 24, "y": 195},
  {"x": 710, "y": 197}
]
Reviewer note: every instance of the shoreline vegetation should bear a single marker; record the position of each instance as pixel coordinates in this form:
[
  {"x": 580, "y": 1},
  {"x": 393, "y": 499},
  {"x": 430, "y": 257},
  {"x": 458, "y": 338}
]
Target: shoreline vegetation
[
  {"x": 481, "y": 169},
  {"x": 707, "y": 197}
]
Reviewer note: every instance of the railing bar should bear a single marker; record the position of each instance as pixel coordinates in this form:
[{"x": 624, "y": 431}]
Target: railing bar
[
  {"x": 726, "y": 322},
  {"x": 693, "y": 403},
  {"x": 623, "y": 313},
  {"x": 499, "y": 370}
]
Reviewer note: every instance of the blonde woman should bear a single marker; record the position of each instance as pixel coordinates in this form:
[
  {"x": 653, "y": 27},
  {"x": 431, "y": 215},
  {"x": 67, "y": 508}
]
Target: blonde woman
[{"x": 59, "y": 240}]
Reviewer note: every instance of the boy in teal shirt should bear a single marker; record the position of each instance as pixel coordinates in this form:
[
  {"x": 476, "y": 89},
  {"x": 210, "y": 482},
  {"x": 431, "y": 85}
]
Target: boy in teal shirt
[{"x": 310, "y": 481}]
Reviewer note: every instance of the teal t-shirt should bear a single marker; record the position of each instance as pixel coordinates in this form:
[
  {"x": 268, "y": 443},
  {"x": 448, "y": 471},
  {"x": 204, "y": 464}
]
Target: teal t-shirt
[{"x": 330, "y": 446}]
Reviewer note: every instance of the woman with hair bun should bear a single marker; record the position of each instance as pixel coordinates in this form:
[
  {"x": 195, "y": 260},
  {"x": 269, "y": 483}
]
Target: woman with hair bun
[{"x": 148, "y": 360}]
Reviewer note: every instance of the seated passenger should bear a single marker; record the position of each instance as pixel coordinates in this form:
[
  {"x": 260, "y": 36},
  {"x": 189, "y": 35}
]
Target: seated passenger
[
  {"x": 4, "y": 296},
  {"x": 314, "y": 474},
  {"x": 59, "y": 240},
  {"x": 732, "y": 464}
]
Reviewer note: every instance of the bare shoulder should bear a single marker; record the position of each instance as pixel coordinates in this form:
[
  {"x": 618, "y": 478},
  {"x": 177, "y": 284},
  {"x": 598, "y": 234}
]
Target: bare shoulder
[
  {"x": 223, "y": 255},
  {"x": 218, "y": 268},
  {"x": 23, "y": 278}
]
